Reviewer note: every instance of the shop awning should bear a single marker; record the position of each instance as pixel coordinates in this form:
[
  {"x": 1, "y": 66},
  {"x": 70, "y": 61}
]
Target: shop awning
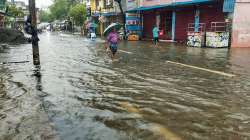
[
  {"x": 185, "y": 3},
  {"x": 192, "y": 2}
]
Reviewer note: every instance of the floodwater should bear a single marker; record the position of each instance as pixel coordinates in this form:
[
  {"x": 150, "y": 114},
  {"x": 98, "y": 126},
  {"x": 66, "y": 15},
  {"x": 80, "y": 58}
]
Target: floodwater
[{"x": 78, "y": 93}]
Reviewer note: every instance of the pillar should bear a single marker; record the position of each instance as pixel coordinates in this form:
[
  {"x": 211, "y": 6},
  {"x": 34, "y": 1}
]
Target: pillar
[
  {"x": 173, "y": 25},
  {"x": 101, "y": 29},
  {"x": 196, "y": 20}
]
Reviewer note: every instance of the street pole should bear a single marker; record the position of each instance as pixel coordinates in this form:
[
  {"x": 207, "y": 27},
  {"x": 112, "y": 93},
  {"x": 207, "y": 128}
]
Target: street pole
[
  {"x": 35, "y": 48},
  {"x": 123, "y": 18}
]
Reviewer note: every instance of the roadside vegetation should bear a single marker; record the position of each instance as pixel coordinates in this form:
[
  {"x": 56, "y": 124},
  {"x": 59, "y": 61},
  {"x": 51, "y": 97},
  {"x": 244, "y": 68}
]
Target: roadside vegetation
[{"x": 65, "y": 10}]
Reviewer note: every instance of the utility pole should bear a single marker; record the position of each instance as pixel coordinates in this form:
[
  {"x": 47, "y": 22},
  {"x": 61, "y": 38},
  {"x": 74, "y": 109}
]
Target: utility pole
[
  {"x": 123, "y": 18},
  {"x": 34, "y": 39}
]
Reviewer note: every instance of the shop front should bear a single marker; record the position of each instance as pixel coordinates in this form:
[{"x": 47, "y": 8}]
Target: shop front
[
  {"x": 105, "y": 19},
  {"x": 133, "y": 26},
  {"x": 174, "y": 19},
  {"x": 207, "y": 28},
  {"x": 160, "y": 18}
]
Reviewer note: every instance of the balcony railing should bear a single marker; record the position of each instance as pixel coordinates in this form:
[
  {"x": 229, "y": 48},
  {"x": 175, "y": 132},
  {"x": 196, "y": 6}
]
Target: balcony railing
[{"x": 106, "y": 10}]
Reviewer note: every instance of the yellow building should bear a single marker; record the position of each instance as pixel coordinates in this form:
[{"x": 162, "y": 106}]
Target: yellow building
[{"x": 105, "y": 12}]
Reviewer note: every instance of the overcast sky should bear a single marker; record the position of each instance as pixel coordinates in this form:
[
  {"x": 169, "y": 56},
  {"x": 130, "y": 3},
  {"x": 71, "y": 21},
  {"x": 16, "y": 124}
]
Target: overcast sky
[{"x": 39, "y": 3}]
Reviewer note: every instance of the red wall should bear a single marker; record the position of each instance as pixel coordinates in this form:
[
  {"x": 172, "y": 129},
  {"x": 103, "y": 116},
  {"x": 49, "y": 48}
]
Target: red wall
[
  {"x": 215, "y": 14},
  {"x": 183, "y": 17},
  {"x": 149, "y": 20},
  {"x": 208, "y": 14}
]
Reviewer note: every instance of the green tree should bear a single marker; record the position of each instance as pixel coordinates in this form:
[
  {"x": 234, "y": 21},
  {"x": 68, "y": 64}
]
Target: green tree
[
  {"x": 14, "y": 11},
  {"x": 78, "y": 13},
  {"x": 73, "y": 2},
  {"x": 59, "y": 9},
  {"x": 45, "y": 16}
]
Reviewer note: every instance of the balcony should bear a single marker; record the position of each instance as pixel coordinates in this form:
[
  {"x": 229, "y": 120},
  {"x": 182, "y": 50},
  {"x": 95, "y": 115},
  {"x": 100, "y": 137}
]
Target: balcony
[{"x": 20, "y": 19}]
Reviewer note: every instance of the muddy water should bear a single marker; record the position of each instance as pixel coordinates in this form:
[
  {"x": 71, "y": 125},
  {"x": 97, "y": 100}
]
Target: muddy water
[{"x": 86, "y": 96}]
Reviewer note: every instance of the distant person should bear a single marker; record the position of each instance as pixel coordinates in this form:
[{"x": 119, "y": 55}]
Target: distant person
[
  {"x": 155, "y": 35},
  {"x": 112, "y": 40},
  {"x": 92, "y": 36}
]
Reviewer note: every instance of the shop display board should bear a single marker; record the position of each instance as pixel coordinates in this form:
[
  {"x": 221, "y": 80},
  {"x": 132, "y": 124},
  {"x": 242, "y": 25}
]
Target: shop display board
[
  {"x": 196, "y": 39},
  {"x": 133, "y": 24},
  {"x": 217, "y": 39}
]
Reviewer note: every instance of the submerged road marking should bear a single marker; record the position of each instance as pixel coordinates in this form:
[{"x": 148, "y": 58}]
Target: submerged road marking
[
  {"x": 64, "y": 35},
  {"x": 129, "y": 107},
  {"x": 125, "y": 51},
  {"x": 204, "y": 69},
  {"x": 156, "y": 128},
  {"x": 163, "y": 131}
]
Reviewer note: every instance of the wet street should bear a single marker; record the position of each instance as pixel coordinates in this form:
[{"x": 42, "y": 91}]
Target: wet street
[{"x": 171, "y": 92}]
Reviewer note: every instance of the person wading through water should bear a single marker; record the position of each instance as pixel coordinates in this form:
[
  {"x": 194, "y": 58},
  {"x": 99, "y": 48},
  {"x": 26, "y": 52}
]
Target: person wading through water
[
  {"x": 112, "y": 41},
  {"x": 155, "y": 32}
]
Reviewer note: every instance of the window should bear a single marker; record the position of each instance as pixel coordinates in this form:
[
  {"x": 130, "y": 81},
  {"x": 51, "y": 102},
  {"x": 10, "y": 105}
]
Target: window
[
  {"x": 97, "y": 4},
  {"x": 108, "y": 3}
]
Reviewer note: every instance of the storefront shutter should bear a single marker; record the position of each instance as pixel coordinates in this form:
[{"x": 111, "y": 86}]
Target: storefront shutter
[{"x": 228, "y": 6}]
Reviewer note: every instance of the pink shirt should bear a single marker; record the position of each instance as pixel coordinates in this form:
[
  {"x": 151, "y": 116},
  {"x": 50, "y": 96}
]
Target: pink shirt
[{"x": 113, "y": 38}]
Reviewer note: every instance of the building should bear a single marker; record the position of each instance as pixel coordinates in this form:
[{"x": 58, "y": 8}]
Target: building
[
  {"x": 206, "y": 20},
  {"x": 173, "y": 17},
  {"x": 241, "y": 22},
  {"x": 105, "y": 12},
  {"x": 19, "y": 21},
  {"x": 2, "y": 12},
  {"x": 21, "y": 5}
]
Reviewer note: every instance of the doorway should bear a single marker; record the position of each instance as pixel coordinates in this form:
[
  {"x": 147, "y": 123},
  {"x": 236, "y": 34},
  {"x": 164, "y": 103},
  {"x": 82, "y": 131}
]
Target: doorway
[{"x": 166, "y": 25}]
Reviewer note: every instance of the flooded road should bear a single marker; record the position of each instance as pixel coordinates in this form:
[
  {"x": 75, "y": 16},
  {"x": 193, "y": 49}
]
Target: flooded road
[{"x": 83, "y": 95}]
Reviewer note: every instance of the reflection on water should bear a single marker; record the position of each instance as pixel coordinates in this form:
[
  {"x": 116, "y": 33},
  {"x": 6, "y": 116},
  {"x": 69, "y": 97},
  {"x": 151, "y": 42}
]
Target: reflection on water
[
  {"x": 38, "y": 76},
  {"x": 139, "y": 96}
]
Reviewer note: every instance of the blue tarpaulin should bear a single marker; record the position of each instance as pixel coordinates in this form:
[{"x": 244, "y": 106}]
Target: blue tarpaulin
[
  {"x": 228, "y": 6},
  {"x": 132, "y": 18},
  {"x": 134, "y": 27}
]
